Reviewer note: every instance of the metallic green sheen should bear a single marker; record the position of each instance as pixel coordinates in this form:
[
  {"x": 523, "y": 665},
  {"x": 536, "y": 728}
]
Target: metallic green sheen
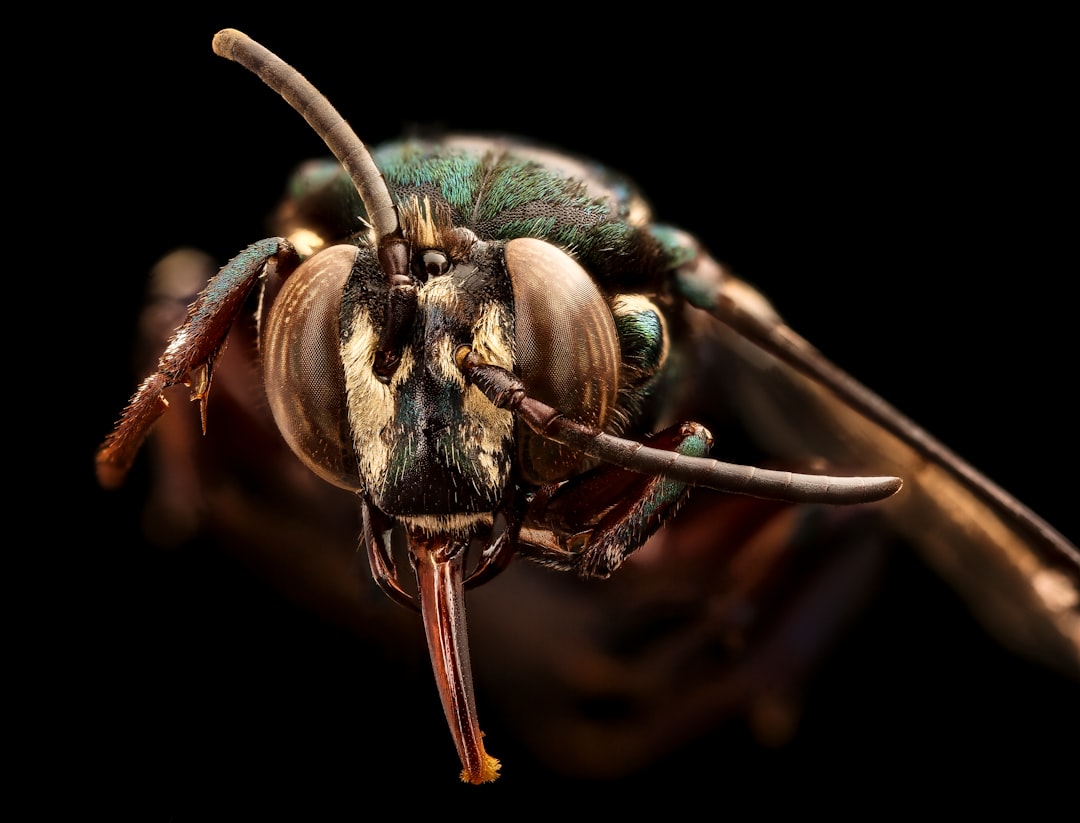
[
  {"x": 665, "y": 491},
  {"x": 501, "y": 196}
]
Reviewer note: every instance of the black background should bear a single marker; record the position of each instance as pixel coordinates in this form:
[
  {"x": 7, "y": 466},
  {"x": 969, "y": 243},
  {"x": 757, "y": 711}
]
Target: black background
[{"x": 898, "y": 188}]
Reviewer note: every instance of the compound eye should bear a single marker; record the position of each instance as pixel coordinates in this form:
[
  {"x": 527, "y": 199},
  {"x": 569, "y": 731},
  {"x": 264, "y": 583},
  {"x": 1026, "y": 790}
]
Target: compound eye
[
  {"x": 430, "y": 263},
  {"x": 302, "y": 367},
  {"x": 567, "y": 349}
]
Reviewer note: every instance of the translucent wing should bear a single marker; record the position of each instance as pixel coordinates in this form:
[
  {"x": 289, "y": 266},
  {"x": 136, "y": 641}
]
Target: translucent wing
[{"x": 1018, "y": 574}]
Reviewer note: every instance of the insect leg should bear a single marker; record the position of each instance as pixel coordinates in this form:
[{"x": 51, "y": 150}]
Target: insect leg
[
  {"x": 592, "y": 523},
  {"x": 192, "y": 352}
]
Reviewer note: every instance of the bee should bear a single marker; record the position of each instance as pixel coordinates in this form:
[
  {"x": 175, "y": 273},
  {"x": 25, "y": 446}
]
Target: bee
[{"x": 496, "y": 351}]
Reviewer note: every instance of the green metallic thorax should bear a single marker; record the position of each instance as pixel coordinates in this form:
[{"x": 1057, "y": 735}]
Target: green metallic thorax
[{"x": 501, "y": 190}]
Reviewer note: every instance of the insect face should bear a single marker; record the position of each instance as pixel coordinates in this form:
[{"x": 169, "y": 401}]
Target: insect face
[{"x": 417, "y": 438}]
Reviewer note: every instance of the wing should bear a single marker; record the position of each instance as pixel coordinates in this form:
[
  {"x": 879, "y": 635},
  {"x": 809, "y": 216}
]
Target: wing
[{"x": 1018, "y": 574}]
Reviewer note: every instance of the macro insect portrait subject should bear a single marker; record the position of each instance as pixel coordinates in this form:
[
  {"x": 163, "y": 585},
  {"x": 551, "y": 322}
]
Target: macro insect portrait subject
[{"x": 480, "y": 359}]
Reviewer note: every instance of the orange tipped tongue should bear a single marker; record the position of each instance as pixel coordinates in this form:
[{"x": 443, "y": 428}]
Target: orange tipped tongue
[{"x": 439, "y": 564}]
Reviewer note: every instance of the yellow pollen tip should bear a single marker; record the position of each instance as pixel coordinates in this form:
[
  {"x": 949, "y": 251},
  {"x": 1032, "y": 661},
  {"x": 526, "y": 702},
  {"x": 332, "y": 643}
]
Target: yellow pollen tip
[{"x": 489, "y": 770}]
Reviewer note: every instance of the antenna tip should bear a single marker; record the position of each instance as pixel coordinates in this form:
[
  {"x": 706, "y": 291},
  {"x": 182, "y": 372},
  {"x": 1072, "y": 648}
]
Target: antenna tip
[
  {"x": 888, "y": 486},
  {"x": 226, "y": 41}
]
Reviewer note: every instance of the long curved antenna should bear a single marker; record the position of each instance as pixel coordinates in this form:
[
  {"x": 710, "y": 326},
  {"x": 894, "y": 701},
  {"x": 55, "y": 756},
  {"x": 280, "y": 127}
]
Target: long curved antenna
[
  {"x": 335, "y": 132},
  {"x": 505, "y": 390}
]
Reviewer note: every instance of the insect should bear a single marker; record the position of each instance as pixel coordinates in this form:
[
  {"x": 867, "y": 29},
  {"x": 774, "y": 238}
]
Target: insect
[{"x": 525, "y": 467}]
